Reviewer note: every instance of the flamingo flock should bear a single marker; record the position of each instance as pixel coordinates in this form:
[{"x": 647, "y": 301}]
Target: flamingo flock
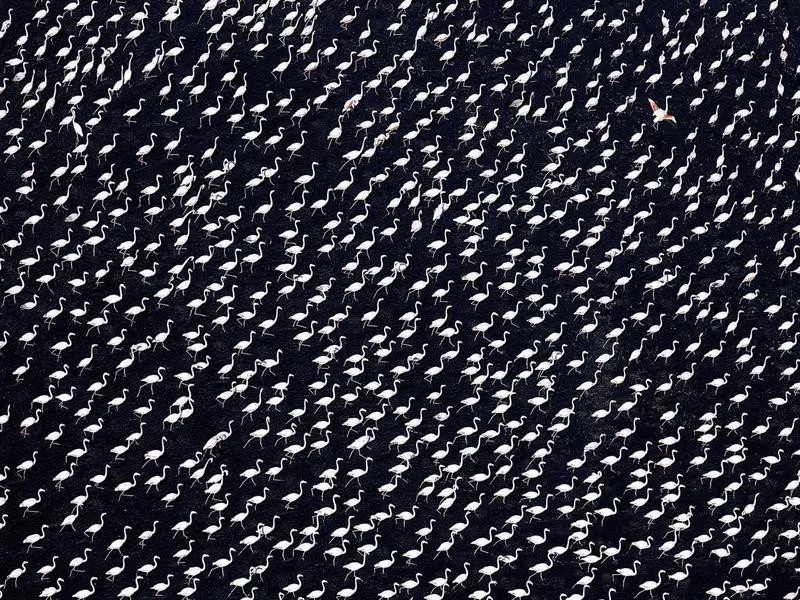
[{"x": 309, "y": 300}]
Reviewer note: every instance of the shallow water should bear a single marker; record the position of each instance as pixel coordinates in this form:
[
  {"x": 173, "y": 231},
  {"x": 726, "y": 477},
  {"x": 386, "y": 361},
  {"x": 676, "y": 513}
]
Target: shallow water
[{"x": 212, "y": 412}]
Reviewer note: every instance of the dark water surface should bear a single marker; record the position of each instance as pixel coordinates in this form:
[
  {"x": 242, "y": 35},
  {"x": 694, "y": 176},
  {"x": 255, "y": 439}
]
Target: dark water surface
[{"x": 412, "y": 400}]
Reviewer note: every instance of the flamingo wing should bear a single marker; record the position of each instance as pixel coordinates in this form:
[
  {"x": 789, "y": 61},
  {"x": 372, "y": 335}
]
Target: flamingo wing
[{"x": 653, "y": 105}]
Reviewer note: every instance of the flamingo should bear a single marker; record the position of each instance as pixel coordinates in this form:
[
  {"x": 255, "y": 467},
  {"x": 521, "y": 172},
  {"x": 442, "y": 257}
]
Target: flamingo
[{"x": 659, "y": 114}]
